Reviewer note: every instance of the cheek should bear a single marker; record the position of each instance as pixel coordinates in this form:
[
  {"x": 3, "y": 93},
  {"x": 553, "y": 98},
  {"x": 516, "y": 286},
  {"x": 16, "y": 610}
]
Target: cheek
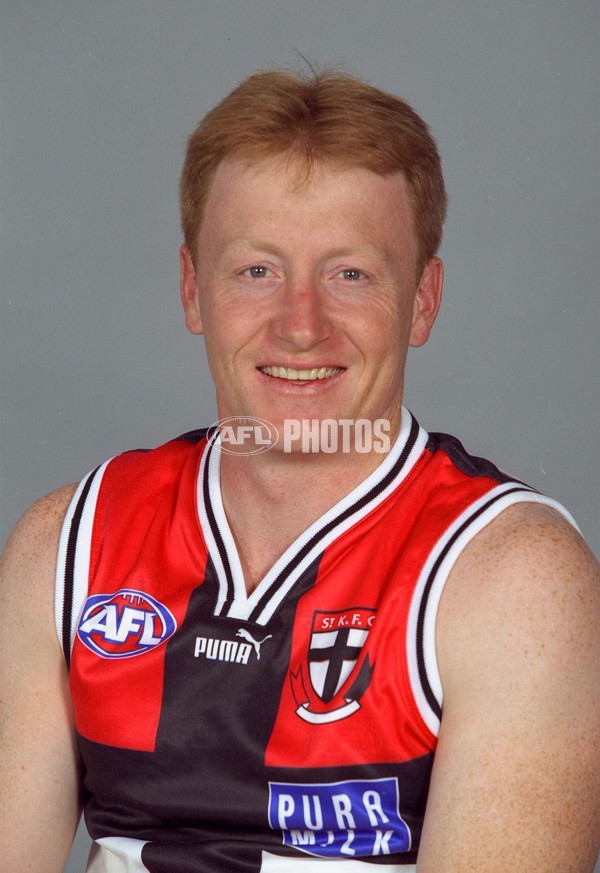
[
  {"x": 228, "y": 332},
  {"x": 383, "y": 322}
]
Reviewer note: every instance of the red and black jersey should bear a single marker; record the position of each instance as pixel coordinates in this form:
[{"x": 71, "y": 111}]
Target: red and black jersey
[{"x": 276, "y": 731}]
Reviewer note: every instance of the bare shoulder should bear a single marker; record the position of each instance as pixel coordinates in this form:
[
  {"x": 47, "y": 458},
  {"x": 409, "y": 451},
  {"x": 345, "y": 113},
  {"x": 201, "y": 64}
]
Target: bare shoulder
[
  {"x": 526, "y": 533},
  {"x": 43, "y": 519},
  {"x": 27, "y": 565},
  {"x": 38, "y": 530},
  {"x": 529, "y": 571}
]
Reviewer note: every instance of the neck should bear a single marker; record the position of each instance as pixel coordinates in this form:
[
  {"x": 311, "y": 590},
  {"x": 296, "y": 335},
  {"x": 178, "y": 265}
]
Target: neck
[
  {"x": 277, "y": 481},
  {"x": 271, "y": 498}
]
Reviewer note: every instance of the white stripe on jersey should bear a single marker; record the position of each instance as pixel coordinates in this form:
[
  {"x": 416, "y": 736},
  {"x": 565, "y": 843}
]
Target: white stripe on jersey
[
  {"x": 124, "y": 855},
  {"x": 82, "y": 554},
  {"x": 116, "y": 855}
]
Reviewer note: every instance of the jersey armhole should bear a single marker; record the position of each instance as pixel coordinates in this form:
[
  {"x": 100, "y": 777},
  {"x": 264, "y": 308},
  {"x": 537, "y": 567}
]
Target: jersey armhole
[{"x": 422, "y": 657}]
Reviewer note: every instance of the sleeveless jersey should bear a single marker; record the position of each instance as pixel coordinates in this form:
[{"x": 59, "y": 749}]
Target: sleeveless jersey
[{"x": 278, "y": 731}]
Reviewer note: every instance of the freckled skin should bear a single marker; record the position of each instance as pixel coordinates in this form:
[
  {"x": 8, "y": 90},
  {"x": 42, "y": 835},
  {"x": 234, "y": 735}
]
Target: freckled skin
[{"x": 516, "y": 782}]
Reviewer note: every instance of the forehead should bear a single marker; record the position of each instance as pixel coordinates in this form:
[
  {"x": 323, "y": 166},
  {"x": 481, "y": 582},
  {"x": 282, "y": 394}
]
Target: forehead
[{"x": 280, "y": 193}]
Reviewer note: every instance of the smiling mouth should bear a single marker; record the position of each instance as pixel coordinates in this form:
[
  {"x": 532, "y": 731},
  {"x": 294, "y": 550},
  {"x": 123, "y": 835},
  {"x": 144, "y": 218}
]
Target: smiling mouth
[{"x": 293, "y": 375}]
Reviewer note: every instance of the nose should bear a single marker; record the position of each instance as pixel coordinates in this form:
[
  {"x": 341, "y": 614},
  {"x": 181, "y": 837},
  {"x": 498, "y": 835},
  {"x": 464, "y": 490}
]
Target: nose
[{"x": 302, "y": 319}]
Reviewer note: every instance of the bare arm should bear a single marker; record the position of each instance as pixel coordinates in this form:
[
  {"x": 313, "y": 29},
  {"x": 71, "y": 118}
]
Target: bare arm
[
  {"x": 516, "y": 781},
  {"x": 39, "y": 778}
]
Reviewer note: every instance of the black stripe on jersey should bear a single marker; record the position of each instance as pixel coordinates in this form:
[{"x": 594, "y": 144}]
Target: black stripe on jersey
[
  {"x": 470, "y": 465},
  {"x": 427, "y": 690},
  {"x": 356, "y": 507},
  {"x": 70, "y": 568}
]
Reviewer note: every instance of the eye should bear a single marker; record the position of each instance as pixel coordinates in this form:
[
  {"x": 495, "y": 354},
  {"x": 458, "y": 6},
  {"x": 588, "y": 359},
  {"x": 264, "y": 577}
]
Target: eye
[
  {"x": 352, "y": 275},
  {"x": 256, "y": 271}
]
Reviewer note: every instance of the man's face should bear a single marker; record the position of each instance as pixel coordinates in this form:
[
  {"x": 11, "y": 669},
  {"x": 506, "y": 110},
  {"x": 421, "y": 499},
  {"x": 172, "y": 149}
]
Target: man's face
[{"x": 307, "y": 292}]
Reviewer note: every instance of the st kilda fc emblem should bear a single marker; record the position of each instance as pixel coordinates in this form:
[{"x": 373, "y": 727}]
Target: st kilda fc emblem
[{"x": 328, "y": 687}]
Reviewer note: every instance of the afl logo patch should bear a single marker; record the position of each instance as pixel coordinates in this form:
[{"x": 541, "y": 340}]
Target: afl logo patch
[{"x": 124, "y": 624}]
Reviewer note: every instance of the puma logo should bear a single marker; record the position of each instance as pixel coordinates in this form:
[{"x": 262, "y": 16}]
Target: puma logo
[{"x": 246, "y": 635}]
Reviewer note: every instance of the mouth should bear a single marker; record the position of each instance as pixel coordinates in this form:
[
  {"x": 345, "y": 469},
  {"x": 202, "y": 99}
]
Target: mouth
[{"x": 291, "y": 374}]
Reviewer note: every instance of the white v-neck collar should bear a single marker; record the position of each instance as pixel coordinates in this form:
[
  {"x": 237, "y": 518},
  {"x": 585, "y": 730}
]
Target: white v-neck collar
[{"x": 259, "y": 606}]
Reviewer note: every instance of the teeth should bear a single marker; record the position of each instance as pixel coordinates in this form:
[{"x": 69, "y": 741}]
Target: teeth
[{"x": 303, "y": 375}]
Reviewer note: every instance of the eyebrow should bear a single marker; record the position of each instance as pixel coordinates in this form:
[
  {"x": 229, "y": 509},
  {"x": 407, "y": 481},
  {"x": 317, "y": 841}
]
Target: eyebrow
[{"x": 242, "y": 243}]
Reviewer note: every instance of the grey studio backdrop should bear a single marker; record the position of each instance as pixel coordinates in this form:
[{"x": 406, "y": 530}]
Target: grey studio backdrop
[{"x": 97, "y": 100}]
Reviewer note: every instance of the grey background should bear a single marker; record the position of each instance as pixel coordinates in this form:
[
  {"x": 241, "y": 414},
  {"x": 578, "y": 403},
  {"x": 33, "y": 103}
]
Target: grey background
[{"x": 97, "y": 100}]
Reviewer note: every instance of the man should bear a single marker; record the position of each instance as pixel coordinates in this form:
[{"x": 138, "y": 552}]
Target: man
[{"x": 315, "y": 633}]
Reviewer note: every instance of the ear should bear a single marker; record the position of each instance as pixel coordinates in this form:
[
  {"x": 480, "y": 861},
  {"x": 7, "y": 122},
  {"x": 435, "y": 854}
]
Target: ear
[
  {"x": 188, "y": 286},
  {"x": 427, "y": 301}
]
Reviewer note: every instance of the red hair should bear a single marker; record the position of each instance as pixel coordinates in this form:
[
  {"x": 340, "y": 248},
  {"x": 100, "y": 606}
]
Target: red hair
[{"x": 329, "y": 117}]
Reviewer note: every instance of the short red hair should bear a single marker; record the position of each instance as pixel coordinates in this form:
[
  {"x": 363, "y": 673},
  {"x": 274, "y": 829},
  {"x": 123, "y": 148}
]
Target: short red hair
[{"x": 329, "y": 117}]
